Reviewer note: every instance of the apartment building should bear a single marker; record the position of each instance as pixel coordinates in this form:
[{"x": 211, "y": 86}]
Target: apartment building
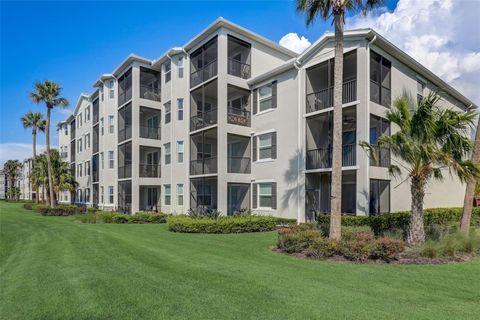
[
  {"x": 22, "y": 182},
  {"x": 3, "y": 185},
  {"x": 232, "y": 121}
]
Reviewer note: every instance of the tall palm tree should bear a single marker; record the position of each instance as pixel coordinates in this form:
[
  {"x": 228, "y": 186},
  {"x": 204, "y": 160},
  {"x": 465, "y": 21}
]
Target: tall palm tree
[
  {"x": 429, "y": 140},
  {"x": 472, "y": 186},
  {"x": 35, "y": 121},
  {"x": 12, "y": 171},
  {"x": 49, "y": 93},
  {"x": 325, "y": 9}
]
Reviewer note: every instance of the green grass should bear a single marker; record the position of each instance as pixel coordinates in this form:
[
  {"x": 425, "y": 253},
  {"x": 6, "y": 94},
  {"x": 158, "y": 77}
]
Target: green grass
[{"x": 55, "y": 268}]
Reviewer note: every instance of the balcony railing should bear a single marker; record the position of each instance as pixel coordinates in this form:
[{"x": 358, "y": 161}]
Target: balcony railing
[
  {"x": 124, "y": 96},
  {"x": 125, "y": 171},
  {"x": 150, "y": 93},
  {"x": 383, "y": 156},
  {"x": 95, "y": 148},
  {"x": 95, "y": 176},
  {"x": 203, "y": 74},
  {"x": 238, "y": 165},
  {"x": 239, "y": 117},
  {"x": 150, "y": 170},
  {"x": 322, "y": 157},
  {"x": 238, "y": 69},
  {"x": 124, "y": 134},
  {"x": 150, "y": 132},
  {"x": 324, "y": 98},
  {"x": 203, "y": 166},
  {"x": 204, "y": 119}
]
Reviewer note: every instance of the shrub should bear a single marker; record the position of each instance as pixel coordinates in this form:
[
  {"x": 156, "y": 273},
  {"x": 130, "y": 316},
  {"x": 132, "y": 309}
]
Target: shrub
[
  {"x": 148, "y": 217},
  {"x": 204, "y": 213},
  {"x": 28, "y": 206},
  {"x": 321, "y": 247},
  {"x": 61, "y": 210},
  {"x": 88, "y": 217},
  {"x": 92, "y": 210},
  {"x": 234, "y": 224},
  {"x": 429, "y": 250},
  {"x": 452, "y": 245},
  {"x": 387, "y": 249},
  {"x": 356, "y": 249},
  {"x": 357, "y": 232},
  {"x": 295, "y": 239}
]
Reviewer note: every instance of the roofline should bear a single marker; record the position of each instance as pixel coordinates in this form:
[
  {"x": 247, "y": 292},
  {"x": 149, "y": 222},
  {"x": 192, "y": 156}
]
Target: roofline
[
  {"x": 131, "y": 58},
  {"x": 79, "y": 101},
  {"x": 102, "y": 78},
  {"x": 169, "y": 53},
  {"x": 290, "y": 64}
]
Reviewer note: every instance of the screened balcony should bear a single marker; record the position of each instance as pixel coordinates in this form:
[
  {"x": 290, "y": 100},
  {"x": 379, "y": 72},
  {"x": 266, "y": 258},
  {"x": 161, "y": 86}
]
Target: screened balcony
[
  {"x": 125, "y": 123},
  {"x": 125, "y": 87},
  {"x": 150, "y": 198},
  {"x": 125, "y": 160},
  {"x": 95, "y": 168},
  {"x": 203, "y": 63},
  {"x": 238, "y": 111},
  {"x": 379, "y": 127},
  {"x": 96, "y": 107},
  {"x": 319, "y": 140},
  {"x": 125, "y": 197},
  {"x": 238, "y": 154},
  {"x": 203, "y": 106},
  {"x": 318, "y": 193},
  {"x": 239, "y": 56},
  {"x": 238, "y": 197},
  {"x": 203, "y": 152},
  {"x": 72, "y": 129},
  {"x": 150, "y": 84},
  {"x": 320, "y": 83},
  {"x": 149, "y": 162},
  {"x": 73, "y": 151},
  {"x": 96, "y": 139},
  {"x": 150, "y": 120},
  {"x": 203, "y": 194}
]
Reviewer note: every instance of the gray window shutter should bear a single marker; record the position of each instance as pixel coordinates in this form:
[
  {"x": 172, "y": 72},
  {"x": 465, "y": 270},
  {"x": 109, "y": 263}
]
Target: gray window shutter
[
  {"x": 274, "y": 195},
  {"x": 274, "y": 145},
  {"x": 254, "y": 143},
  {"x": 254, "y": 195},
  {"x": 274, "y": 94},
  {"x": 255, "y": 101}
]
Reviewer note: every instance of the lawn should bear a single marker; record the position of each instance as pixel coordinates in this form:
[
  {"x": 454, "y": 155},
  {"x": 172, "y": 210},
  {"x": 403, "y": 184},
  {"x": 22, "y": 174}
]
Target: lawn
[{"x": 55, "y": 268}]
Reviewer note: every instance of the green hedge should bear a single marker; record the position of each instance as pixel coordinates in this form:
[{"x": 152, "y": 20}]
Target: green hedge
[
  {"x": 139, "y": 217},
  {"x": 234, "y": 224},
  {"x": 61, "y": 210},
  {"x": 399, "y": 220}
]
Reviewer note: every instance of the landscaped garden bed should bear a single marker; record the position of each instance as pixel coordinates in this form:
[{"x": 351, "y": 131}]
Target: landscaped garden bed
[{"x": 116, "y": 217}]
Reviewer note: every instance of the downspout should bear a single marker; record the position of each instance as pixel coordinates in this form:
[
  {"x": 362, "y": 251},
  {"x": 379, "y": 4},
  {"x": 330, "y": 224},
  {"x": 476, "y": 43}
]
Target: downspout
[
  {"x": 299, "y": 140},
  {"x": 367, "y": 73}
]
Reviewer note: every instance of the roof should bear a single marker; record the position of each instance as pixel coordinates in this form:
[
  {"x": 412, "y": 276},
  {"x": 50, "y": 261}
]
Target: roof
[
  {"x": 103, "y": 77},
  {"x": 131, "y": 58},
  {"x": 82, "y": 97}
]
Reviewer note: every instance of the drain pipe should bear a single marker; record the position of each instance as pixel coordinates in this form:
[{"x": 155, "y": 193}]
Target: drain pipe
[
  {"x": 299, "y": 140},
  {"x": 367, "y": 167}
]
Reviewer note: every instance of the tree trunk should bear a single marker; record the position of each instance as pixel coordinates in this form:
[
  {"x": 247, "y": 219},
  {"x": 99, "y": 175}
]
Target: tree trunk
[
  {"x": 34, "y": 148},
  {"x": 336, "y": 197},
  {"x": 49, "y": 162},
  {"x": 471, "y": 184},
  {"x": 416, "y": 232}
]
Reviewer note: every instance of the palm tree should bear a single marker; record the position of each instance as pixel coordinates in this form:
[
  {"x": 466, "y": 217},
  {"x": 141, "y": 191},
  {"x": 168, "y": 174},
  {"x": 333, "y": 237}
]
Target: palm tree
[
  {"x": 429, "y": 140},
  {"x": 49, "y": 93},
  {"x": 12, "y": 171},
  {"x": 325, "y": 9},
  {"x": 35, "y": 121},
  {"x": 472, "y": 187}
]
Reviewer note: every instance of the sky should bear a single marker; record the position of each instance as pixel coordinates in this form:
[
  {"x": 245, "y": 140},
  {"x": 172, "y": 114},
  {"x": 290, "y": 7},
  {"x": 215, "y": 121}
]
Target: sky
[{"x": 73, "y": 43}]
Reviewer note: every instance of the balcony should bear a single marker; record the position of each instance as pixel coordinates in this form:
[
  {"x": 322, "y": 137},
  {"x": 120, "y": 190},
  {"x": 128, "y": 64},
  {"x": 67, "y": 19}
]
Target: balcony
[
  {"x": 125, "y": 123},
  {"x": 149, "y": 162},
  {"x": 239, "y": 58},
  {"x": 125, "y": 196},
  {"x": 238, "y": 111},
  {"x": 383, "y": 157},
  {"x": 125, "y": 87},
  {"x": 150, "y": 132},
  {"x": 203, "y": 120},
  {"x": 238, "y": 154},
  {"x": 149, "y": 170},
  {"x": 238, "y": 69},
  {"x": 150, "y": 198},
  {"x": 203, "y": 152},
  {"x": 239, "y": 164},
  {"x": 150, "y": 123},
  {"x": 203, "y": 166},
  {"x": 125, "y": 171},
  {"x": 323, "y": 99},
  {"x": 203, "y": 106},
  {"x": 203, "y": 63},
  {"x": 150, "y": 84},
  {"x": 203, "y": 193},
  {"x": 125, "y": 160},
  {"x": 95, "y": 168}
]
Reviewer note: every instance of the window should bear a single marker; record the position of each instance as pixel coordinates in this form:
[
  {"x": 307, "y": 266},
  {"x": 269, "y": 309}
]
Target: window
[
  {"x": 79, "y": 170},
  {"x": 111, "y": 91},
  {"x": 420, "y": 91},
  {"x": 168, "y": 194},
  {"x": 65, "y": 128},
  {"x": 380, "y": 79},
  {"x": 180, "y": 151},
  {"x": 267, "y": 146},
  {"x": 265, "y": 195},
  {"x": 180, "y": 109},
  {"x": 102, "y": 95},
  {"x": 167, "y": 67},
  {"x": 180, "y": 194},
  {"x": 87, "y": 114},
  {"x": 87, "y": 168},
  {"x": 379, "y": 196},
  {"x": 168, "y": 156},
  {"x": 79, "y": 195},
  {"x": 101, "y": 194},
  {"x": 110, "y": 194},
  {"x": 87, "y": 141},
  {"x": 265, "y": 97},
  {"x": 168, "y": 112},
  {"x": 87, "y": 195},
  {"x": 111, "y": 124},
  {"x": 101, "y": 160},
  {"x": 101, "y": 126},
  {"x": 111, "y": 159},
  {"x": 180, "y": 67},
  {"x": 80, "y": 145},
  {"x": 204, "y": 150}
]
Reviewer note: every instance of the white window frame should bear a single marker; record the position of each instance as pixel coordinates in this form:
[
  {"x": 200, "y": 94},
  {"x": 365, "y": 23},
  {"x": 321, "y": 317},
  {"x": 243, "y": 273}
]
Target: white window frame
[
  {"x": 111, "y": 92},
  {"x": 168, "y": 113},
  {"x": 87, "y": 114},
  {"x": 111, "y": 124},
  {"x": 180, "y": 192},
  {"x": 265, "y": 98},
  {"x": 111, "y": 195},
  {"x": 180, "y": 109},
  {"x": 102, "y": 126},
  {"x": 180, "y": 151},
  {"x": 181, "y": 63},
  {"x": 168, "y": 195},
  {"x": 111, "y": 159},
  {"x": 102, "y": 161},
  {"x": 168, "y": 153},
  {"x": 167, "y": 72},
  {"x": 259, "y": 148},
  {"x": 102, "y": 198},
  {"x": 259, "y": 195}
]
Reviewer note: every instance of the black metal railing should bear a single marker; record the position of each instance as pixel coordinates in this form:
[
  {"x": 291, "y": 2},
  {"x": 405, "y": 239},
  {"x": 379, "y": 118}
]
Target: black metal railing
[
  {"x": 124, "y": 96},
  {"x": 150, "y": 170},
  {"x": 203, "y": 74},
  {"x": 147, "y": 92},
  {"x": 125, "y": 171},
  {"x": 322, "y": 157},
  {"x": 203, "y": 166},
  {"x": 149, "y": 132},
  {"x": 239, "y": 117},
  {"x": 323, "y": 99},
  {"x": 203, "y": 119},
  {"x": 95, "y": 147},
  {"x": 383, "y": 156},
  {"x": 95, "y": 175},
  {"x": 238, "y": 165},
  {"x": 125, "y": 133},
  {"x": 238, "y": 68},
  {"x": 349, "y": 155}
]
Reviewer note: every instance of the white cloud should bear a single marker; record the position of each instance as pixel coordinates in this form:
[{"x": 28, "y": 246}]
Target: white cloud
[
  {"x": 440, "y": 34},
  {"x": 17, "y": 151},
  {"x": 64, "y": 111},
  {"x": 295, "y": 43}
]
